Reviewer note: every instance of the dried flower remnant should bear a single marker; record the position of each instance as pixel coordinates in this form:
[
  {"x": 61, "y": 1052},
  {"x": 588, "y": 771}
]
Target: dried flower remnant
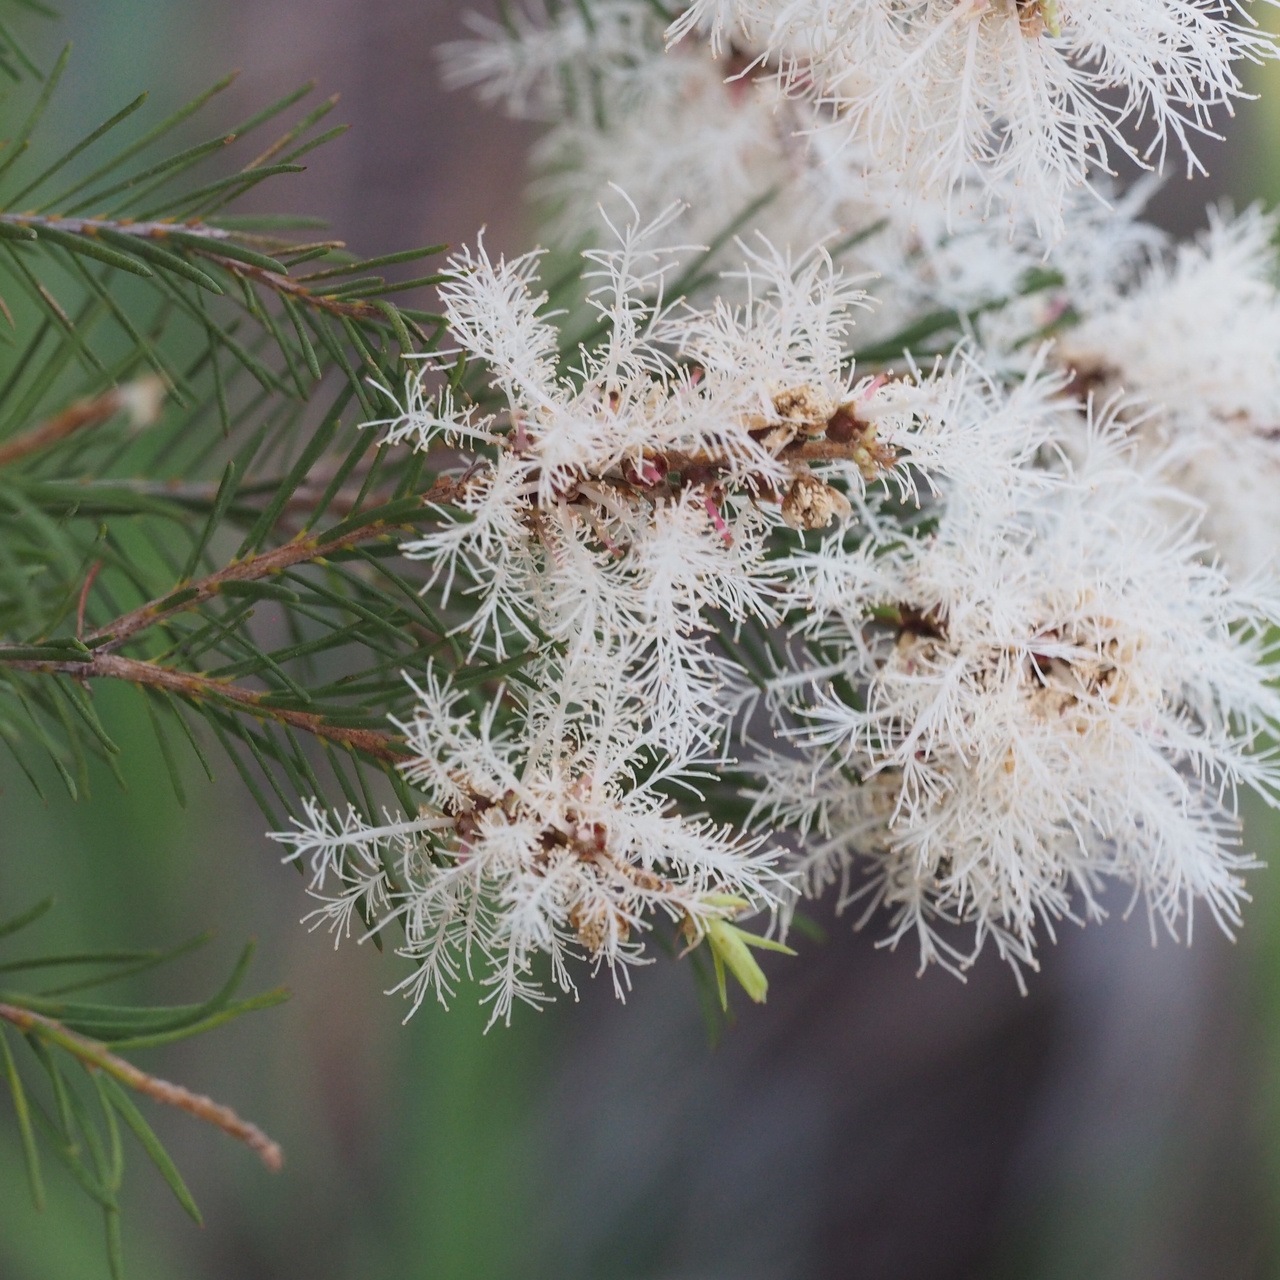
[{"x": 811, "y": 504}]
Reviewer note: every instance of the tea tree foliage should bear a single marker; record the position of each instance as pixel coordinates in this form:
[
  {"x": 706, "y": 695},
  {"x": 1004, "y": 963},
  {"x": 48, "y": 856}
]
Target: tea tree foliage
[{"x": 180, "y": 450}]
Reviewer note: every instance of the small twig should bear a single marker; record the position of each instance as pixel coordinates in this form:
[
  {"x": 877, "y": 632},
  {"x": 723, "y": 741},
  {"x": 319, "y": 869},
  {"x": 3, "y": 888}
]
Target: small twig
[
  {"x": 299, "y": 551},
  {"x": 277, "y": 283},
  {"x": 162, "y": 231},
  {"x": 801, "y": 451},
  {"x": 84, "y": 598},
  {"x": 95, "y": 1055},
  {"x": 381, "y": 746},
  {"x": 142, "y": 399}
]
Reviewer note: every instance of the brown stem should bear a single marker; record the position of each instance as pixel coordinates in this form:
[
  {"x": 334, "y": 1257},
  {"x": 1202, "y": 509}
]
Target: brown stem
[
  {"x": 84, "y": 413},
  {"x": 93, "y": 1054},
  {"x": 298, "y": 292},
  {"x": 381, "y": 746},
  {"x": 835, "y": 451},
  {"x": 91, "y": 226},
  {"x": 818, "y": 450},
  {"x": 299, "y": 551}
]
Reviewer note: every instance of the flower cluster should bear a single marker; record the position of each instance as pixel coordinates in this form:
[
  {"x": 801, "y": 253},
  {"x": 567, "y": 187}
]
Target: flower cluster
[
  {"x": 984, "y": 616},
  {"x": 667, "y": 127},
  {"x": 1197, "y": 336},
  {"x": 1031, "y": 97},
  {"x": 671, "y": 126},
  {"x": 974, "y": 104},
  {"x": 1050, "y": 690},
  {"x": 609, "y": 519},
  {"x": 551, "y": 835}
]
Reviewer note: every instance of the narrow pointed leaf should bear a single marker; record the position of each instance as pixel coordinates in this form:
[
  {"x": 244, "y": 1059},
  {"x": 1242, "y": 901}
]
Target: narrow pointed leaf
[
  {"x": 16, "y": 923},
  {"x": 153, "y": 1147},
  {"x": 23, "y": 1113}
]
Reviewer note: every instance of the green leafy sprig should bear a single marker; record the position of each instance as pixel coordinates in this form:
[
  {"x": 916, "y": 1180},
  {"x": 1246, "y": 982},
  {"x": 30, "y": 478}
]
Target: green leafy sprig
[{"x": 73, "y": 1089}]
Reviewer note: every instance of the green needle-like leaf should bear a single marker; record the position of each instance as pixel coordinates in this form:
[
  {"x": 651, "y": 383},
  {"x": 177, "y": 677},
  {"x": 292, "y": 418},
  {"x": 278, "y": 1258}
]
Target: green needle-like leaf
[
  {"x": 154, "y": 135},
  {"x": 162, "y": 257},
  {"x": 226, "y": 249},
  {"x": 90, "y": 248},
  {"x": 19, "y": 922},
  {"x": 67, "y": 156},
  {"x": 18, "y": 143},
  {"x": 153, "y": 1147},
  {"x": 23, "y": 1114},
  {"x": 315, "y": 447}
]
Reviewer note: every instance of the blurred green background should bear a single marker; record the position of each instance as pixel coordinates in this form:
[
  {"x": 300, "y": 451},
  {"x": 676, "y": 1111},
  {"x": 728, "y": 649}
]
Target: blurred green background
[{"x": 1123, "y": 1121}]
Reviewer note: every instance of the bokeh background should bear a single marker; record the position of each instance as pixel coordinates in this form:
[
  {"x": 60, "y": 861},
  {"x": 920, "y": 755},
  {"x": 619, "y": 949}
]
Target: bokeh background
[{"x": 1122, "y": 1120}]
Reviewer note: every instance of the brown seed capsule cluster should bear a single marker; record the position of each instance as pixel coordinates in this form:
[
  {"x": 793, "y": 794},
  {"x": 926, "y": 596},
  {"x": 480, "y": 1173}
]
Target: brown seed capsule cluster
[
  {"x": 810, "y": 503},
  {"x": 806, "y": 407},
  {"x": 594, "y": 918},
  {"x": 590, "y": 921}
]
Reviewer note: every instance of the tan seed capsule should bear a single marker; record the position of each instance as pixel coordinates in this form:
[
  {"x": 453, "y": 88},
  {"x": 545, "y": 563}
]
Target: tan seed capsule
[
  {"x": 807, "y": 407},
  {"x": 812, "y": 504}
]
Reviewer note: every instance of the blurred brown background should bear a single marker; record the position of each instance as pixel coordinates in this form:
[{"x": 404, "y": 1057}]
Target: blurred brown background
[{"x": 1118, "y": 1122}]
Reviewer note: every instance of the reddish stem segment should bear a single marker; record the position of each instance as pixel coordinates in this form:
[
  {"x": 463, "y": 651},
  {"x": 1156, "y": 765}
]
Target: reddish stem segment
[{"x": 255, "y": 568}]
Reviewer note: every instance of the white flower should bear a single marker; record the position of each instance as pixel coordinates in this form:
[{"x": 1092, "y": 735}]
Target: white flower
[
  {"x": 574, "y": 530},
  {"x": 1036, "y": 93},
  {"x": 551, "y": 836},
  {"x": 996, "y": 275},
  {"x": 543, "y": 67},
  {"x": 1041, "y": 695},
  {"x": 726, "y": 148},
  {"x": 1198, "y": 338}
]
